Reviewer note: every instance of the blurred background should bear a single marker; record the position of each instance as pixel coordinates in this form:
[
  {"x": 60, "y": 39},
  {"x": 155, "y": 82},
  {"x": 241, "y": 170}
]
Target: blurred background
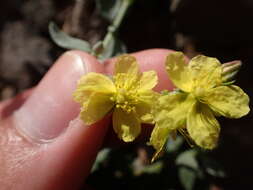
[{"x": 217, "y": 28}]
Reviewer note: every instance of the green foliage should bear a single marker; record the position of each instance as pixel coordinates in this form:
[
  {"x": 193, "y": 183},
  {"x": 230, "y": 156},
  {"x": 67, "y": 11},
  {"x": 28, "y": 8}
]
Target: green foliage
[
  {"x": 101, "y": 157},
  {"x": 115, "y": 47},
  {"x": 187, "y": 177},
  {"x": 111, "y": 46},
  {"x": 174, "y": 145},
  {"x": 179, "y": 168},
  {"x": 212, "y": 167},
  {"x": 188, "y": 159},
  {"x": 103, "y": 51},
  {"x": 165, "y": 92},
  {"x": 188, "y": 168},
  {"x": 108, "y": 8},
  {"x": 65, "y": 41},
  {"x": 154, "y": 168}
]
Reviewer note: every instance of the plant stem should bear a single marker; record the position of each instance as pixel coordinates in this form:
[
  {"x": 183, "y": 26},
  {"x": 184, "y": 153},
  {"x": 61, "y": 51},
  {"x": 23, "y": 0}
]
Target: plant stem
[{"x": 116, "y": 22}]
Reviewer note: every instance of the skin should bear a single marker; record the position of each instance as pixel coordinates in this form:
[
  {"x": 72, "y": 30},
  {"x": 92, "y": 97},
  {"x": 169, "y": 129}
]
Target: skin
[{"x": 43, "y": 144}]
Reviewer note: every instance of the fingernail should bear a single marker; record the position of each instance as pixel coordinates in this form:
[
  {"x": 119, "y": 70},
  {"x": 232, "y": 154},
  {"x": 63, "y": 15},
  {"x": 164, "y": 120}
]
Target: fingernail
[{"x": 47, "y": 113}]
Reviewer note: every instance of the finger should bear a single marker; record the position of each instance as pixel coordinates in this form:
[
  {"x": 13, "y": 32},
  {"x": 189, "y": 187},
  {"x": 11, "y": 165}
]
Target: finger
[
  {"x": 51, "y": 103},
  {"x": 153, "y": 59},
  {"x": 40, "y": 142},
  {"x": 9, "y": 105}
]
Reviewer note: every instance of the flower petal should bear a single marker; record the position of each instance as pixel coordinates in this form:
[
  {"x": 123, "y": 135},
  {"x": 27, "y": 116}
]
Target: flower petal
[
  {"x": 126, "y": 81},
  {"x": 96, "y": 107},
  {"x": 158, "y": 138},
  {"x": 126, "y": 125},
  {"x": 126, "y": 64},
  {"x": 143, "y": 112},
  {"x": 126, "y": 73},
  {"x": 145, "y": 105},
  {"x": 148, "y": 80},
  {"x": 172, "y": 109},
  {"x": 205, "y": 71},
  {"x": 169, "y": 114},
  {"x": 228, "y": 101},
  {"x": 202, "y": 126},
  {"x": 93, "y": 82},
  {"x": 178, "y": 71}
]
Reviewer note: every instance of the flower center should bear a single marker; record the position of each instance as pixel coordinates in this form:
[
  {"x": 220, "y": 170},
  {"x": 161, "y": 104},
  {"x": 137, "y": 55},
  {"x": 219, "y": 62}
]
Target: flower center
[
  {"x": 199, "y": 93},
  {"x": 126, "y": 100},
  {"x": 126, "y": 96}
]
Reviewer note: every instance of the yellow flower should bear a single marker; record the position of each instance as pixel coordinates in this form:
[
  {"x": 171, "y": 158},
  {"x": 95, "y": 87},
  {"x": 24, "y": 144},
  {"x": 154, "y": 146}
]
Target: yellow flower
[
  {"x": 128, "y": 94},
  {"x": 191, "y": 110}
]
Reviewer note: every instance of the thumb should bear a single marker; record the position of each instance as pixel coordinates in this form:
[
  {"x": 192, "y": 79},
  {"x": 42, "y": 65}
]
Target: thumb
[{"x": 42, "y": 141}]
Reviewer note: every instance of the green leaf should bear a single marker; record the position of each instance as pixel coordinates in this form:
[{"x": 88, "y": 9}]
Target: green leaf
[
  {"x": 154, "y": 168},
  {"x": 102, "y": 156},
  {"x": 187, "y": 177},
  {"x": 97, "y": 48},
  {"x": 108, "y": 8},
  {"x": 188, "y": 159},
  {"x": 113, "y": 48},
  {"x": 165, "y": 92},
  {"x": 65, "y": 41},
  {"x": 212, "y": 167},
  {"x": 174, "y": 145},
  {"x": 216, "y": 173},
  {"x": 139, "y": 168}
]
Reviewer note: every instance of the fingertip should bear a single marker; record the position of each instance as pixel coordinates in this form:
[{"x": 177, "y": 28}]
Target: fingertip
[
  {"x": 44, "y": 115},
  {"x": 92, "y": 64}
]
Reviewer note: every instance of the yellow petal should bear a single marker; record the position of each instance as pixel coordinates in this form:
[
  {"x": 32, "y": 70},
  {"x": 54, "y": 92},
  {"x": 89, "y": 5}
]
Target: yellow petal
[
  {"x": 96, "y": 107},
  {"x": 205, "y": 72},
  {"x": 202, "y": 126},
  {"x": 178, "y": 71},
  {"x": 158, "y": 138},
  {"x": 126, "y": 64},
  {"x": 148, "y": 80},
  {"x": 169, "y": 114},
  {"x": 228, "y": 101},
  {"x": 90, "y": 83},
  {"x": 126, "y": 81},
  {"x": 172, "y": 109},
  {"x": 143, "y": 112},
  {"x": 126, "y": 125},
  {"x": 145, "y": 105}
]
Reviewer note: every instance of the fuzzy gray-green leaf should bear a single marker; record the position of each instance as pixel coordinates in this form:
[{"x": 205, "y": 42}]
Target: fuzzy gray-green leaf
[
  {"x": 174, "y": 145},
  {"x": 187, "y": 177},
  {"x": 65, "y": 41},
  {"x": 188, "y": 159},
  {"x": 108, "y": 8},
  {"x": 113, "y": 48}
]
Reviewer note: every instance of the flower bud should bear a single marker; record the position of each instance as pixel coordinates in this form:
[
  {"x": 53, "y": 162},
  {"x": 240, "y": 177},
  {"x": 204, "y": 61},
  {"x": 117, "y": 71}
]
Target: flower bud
[{"x": 229, "y": 70}]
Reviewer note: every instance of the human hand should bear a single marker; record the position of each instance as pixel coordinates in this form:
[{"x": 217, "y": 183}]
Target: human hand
[{"x": 43, "y": 144}]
